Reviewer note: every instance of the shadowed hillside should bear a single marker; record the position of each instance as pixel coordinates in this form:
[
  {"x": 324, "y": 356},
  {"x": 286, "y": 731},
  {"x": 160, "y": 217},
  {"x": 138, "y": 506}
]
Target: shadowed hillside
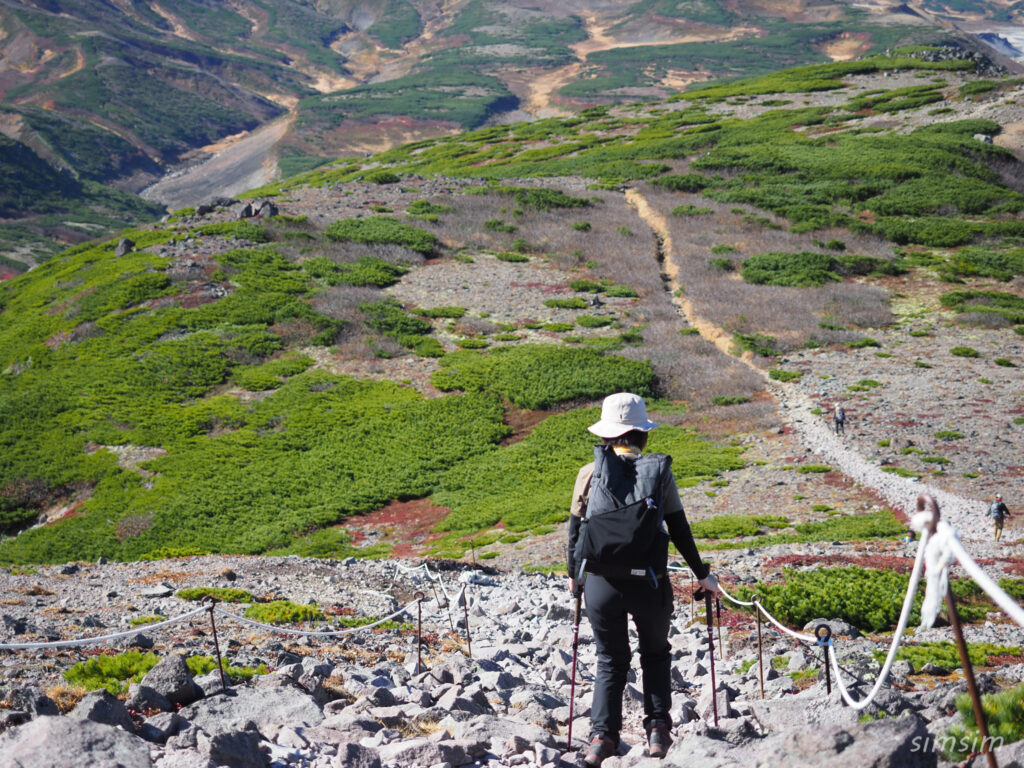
[{"x": 120, "y": 94}]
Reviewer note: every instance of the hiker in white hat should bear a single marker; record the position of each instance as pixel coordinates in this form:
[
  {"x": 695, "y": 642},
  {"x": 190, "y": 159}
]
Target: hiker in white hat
[{"x": 622, "y": 505}]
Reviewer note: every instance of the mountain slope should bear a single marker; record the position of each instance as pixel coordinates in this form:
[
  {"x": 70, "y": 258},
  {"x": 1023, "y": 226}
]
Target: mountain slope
[
  {"x": 195, "y": 393},
  {"x": 120, "y": 93}
]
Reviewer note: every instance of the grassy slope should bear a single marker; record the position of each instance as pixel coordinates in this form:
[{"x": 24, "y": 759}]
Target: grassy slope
[{"x": 103, "y": 352}]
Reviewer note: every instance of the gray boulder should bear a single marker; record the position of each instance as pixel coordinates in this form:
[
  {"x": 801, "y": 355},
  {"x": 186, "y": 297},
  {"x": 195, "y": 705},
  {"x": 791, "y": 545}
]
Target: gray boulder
[
  {"x": 240, "y": 749},
  {"x": 142, "y": 698},
  {"x": 888, "y": 743},
  {"x": 124, "y": 247},
  {"x": 356, "y": 756},
  {"x": 103, "y": 707},
  {"x": 31, "y": 701},
  {"x": 265, "y": 707},
  {"x": 56, "y": 742},
  {"x": 161, "y": 726},
  {"x": 838, "y": 627},
  {"x": 172, "y": 679},
  {"x": 484, "y": 728}
]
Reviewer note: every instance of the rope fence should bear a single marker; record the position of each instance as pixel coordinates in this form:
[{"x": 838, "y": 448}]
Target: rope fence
[
  {"x": 210, "y": 607},
  {"x": 938, "y": 548}
]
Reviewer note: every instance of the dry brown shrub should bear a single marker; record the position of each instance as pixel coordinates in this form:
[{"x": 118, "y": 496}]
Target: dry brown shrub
[
  {"x": 66, "y": 697},
  {"x": 983, "y": 320},
  {"x": 36, "y": 590},
  {"x": 133, "y": 525},
  {"x": 341, "y": 302},
  {"x": 474, "y": 326},
  {"x": 793, "y": 316}
]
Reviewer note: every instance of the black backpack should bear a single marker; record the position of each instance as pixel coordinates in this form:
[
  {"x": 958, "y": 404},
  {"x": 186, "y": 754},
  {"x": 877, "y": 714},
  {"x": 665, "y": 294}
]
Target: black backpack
[{"x": 622, "y": 535}]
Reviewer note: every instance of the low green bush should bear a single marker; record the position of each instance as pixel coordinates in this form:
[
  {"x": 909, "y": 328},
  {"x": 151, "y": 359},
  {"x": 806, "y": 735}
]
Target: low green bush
[
  {"x": 810, "y": 469},
  {"x": 382, "y": 229},
  {"x": 113, "y": 672},
  {"x": 1005, "y": 363},
  {"x": 1004, "y": 718},
  {"x": 437, "y": 312},
  {"x": 780, "y": 374},
  {"x": 690, "y": 210},
  {"x": 574, "y": 303},
  {"x": 367, "y": 270},
  {"x": 224, "y": 594},
  {"x": 581, "y": 226},
  {"x": 876, "y": 525},
  {"x": 283, "y": 612},
  {"x": 538, "y": 376},
  {"x": 497, "y": 225},
  {"x": 509, "y": 256},
  {"x": 730, "y": 399},
  {"x": 593, "y": 321},
  {"x": 869, "y": 599},
  {"x": 867, "y": 341},
  {"x": 201, "y": 665},
  {"x": 964, "y": 352},
  {"x": 948, "y": 434},
  {"x": 243, "y": 230},
  {"x": 735, "y": 526}
]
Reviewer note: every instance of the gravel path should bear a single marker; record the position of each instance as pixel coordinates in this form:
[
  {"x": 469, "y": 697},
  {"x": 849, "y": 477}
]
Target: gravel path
[{"x": 796, "y": 410}]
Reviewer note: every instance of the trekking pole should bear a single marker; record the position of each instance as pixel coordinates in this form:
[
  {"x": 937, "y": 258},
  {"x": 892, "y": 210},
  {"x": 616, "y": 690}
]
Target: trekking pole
[
  {"x": 575, "y": 648},
  {"x": 706, "y": 595},
  {"x": 760, "y": 648},
  {"x": 718, "y": 618}
]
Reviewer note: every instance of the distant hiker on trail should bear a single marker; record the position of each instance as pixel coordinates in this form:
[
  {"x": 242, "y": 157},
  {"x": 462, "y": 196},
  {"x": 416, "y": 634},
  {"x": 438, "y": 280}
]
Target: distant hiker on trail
[
  {"x": 997, "y": 511},
  {"x": 839, "y": 420},
  {"x": 618, "y": 547}
]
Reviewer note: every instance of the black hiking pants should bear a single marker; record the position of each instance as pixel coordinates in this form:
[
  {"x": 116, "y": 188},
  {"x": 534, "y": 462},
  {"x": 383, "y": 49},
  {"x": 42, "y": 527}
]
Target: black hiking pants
[{"x": 610, "y": 602}]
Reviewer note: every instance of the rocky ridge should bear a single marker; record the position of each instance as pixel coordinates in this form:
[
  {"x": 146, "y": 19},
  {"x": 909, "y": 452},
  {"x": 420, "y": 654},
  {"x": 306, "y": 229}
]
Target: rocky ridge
[{"x": 502, "y": 701}]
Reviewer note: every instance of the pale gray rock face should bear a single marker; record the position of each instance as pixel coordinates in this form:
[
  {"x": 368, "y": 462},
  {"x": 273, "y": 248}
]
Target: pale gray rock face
[
  {"x": 57, "y": 742},
  {"x": 264, "y": 707}
]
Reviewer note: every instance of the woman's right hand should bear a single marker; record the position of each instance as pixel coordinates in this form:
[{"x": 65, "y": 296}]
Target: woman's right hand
[{"x": 710, "y": 583}]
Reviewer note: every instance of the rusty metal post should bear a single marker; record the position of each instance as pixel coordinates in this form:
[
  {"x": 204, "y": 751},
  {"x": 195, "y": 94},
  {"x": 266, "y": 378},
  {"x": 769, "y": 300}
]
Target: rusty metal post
[
  {"x": 212, "y": 602},
  {"x": 706, "y": 595},
  {"x": 972, "y": 685},
  {"x": 419, "y": 630},
  {"x": 961, "y": 645},
  {"x": 824, "y": 634},
  {"x": 465, "y": 613},
  {"x": 760, "y": 646}
]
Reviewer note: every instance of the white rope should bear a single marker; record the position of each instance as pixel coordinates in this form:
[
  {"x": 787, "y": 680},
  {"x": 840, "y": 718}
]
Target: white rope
[
  {"x": 308, "y": 633},
  {"x": 783, "y": 628},
  {"x": 102, "y": 638},
  {"x": 436, "y": 578},
  {"x": 901, "y": 626},
  {"x": 732, "y": 599}
]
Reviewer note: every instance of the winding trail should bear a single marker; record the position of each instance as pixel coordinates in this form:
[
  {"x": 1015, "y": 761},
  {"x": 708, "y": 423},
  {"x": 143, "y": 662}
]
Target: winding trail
[{"x": 795, "y": 408}]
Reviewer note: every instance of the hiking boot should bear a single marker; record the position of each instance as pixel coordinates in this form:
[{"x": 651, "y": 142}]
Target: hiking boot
[
  {"x": 659, "y": 740},
  {"x": 600, "y": 750}
]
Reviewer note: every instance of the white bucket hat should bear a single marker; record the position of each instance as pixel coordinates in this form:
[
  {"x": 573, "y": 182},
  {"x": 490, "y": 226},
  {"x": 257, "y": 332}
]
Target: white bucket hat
[{"x": 621, "y": 413}]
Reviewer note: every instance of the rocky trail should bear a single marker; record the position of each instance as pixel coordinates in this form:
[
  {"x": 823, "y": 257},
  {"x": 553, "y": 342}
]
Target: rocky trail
[{"x": 499, "y": 701}]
